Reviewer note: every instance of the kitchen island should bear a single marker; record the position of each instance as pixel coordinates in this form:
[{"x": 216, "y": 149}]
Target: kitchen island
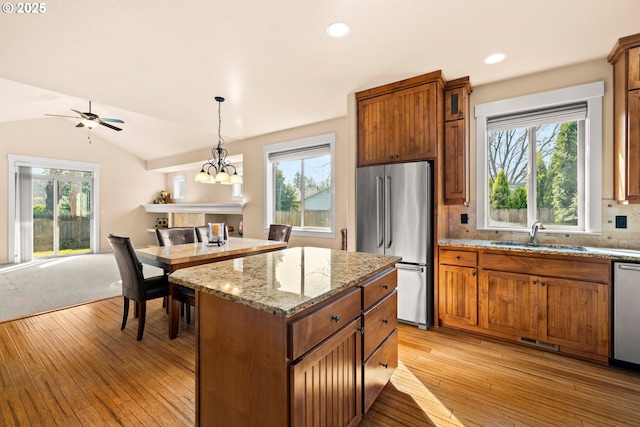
[{"x": 282, "y": 338}]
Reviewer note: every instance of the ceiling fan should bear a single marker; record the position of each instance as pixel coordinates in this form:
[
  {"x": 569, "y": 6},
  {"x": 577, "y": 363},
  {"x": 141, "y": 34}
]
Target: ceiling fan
[{"x": 91, "y": 120}]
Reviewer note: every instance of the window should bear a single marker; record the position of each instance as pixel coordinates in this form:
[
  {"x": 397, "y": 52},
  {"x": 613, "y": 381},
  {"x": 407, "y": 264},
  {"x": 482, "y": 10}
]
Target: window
[
  {"x": 237, "y": 189},
  {"x": 299, "y": 185},
  {"x": 540, "y": 159},
  {"x": 179, "y": 188}
]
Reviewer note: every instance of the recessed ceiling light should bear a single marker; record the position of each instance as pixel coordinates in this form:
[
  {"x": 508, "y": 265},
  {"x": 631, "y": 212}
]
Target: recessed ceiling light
[
  {"x": 338, "y": 30},
  {"x": 495, "y": 58}
]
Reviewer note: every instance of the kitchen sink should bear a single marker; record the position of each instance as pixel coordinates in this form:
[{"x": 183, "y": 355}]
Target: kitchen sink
[{"x": 538, "y": 245}]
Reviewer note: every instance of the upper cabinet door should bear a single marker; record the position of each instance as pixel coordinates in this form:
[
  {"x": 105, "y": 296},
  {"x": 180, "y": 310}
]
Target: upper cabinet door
[
  {"x": 415, "y": 123},
  {"x": 634, "y": 68},
  {"x": 402, "y": 121},
  {"x": 455, "y": 103},
  {"x": 375, "y": 130}
]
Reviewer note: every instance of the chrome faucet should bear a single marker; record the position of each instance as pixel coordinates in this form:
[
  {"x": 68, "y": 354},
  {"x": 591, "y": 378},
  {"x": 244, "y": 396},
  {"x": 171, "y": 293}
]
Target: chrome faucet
[{"x": 534, "y": 231}]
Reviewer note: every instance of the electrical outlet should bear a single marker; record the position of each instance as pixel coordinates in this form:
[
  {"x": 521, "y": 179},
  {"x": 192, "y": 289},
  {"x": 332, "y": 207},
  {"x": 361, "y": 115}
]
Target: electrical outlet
[{"x": 621, "y": 221}]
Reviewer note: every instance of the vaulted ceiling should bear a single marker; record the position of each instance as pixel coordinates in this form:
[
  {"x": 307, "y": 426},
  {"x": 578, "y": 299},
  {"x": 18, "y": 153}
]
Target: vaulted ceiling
[{"x": 159, "y": 64}]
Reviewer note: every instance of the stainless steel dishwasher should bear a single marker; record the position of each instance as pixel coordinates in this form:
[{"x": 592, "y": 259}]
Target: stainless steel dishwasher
[{"x": 626, "y": 314}]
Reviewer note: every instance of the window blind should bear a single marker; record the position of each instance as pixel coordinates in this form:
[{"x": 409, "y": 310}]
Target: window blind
[
  {"x": 527, "y": 119},
  {"x": 301, "y": 153}
]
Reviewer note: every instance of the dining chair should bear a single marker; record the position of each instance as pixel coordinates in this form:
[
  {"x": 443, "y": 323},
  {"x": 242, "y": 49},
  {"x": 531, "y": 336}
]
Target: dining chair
[
  {"x": 179, "y": 236},
  {"x": 187, "y": 297},
  {"x": 175, "y": 236},
  {"x": 134, "y": 285},
  {"x": 280, "y": 232},
  {"x": 202, "y": 233}
]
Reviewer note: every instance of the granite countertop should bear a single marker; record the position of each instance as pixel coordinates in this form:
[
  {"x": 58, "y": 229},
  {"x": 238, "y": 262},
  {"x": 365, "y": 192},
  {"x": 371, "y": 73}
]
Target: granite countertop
[
  {"x": 284, "y": 282},
  {"x": 558, "y": 249}
]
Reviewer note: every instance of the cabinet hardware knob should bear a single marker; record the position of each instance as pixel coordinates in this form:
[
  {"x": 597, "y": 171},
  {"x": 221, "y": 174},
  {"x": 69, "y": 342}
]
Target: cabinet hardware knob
[
  {"x": 473, "y": 274},
  {"x": 385, "y": 321},
  {"x": 386, "y": 365},
  {"x": 335, "y": 318},
  {"x": 543, "y": 283},
  {"x": 361, "y": 330},
  {"x": 385, "y": 286},
  {"x": 458, "y": 258},
  {"x": 535, "y": 282}
]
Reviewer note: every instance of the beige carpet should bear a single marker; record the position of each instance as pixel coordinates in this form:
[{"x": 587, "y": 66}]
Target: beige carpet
[{"x": 54, "y": 283}]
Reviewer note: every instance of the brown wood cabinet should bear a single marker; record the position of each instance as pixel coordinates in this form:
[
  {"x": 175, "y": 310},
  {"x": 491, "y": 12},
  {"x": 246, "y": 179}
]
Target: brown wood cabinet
[
  {"x": 326, "y": 383},
  {"x": 556, "y": 302},
  {"x": 458, "y": 282},
  {"x": 380, "y": 337},
  {"x": 257, "y": 368},
  {"x": 400, "y": 122},
  {"x": 508, "y": 304},
  {"x": 625, "y": 57},
  {"x": 456, "y": 142}
]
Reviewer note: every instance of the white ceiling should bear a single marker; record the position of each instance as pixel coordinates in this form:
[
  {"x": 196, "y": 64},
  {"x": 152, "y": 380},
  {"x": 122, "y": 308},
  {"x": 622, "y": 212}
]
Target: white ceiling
[{"x": 159, "y": 64}]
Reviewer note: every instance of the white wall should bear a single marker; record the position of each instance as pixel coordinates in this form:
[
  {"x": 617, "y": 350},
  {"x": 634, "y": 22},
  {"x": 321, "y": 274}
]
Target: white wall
[{"x": 125, "y": 183}]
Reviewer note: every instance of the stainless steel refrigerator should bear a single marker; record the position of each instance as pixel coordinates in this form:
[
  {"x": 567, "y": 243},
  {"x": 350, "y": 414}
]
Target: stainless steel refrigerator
[{"x": 394, "y": 207}]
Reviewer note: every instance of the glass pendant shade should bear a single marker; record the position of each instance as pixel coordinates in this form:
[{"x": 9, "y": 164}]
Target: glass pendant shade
[
  {"x": 222, "y": 177},
  {"x": 235, "y": 179},
  {"x": 202, "y": 177}
]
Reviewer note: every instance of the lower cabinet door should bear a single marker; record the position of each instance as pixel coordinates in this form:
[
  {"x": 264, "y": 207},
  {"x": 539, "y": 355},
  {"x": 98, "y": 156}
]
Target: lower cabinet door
[
  {"x": 508, "y": 303},
  {"x": 379, "y": 368},
  {"x": 326, "y": 383}
]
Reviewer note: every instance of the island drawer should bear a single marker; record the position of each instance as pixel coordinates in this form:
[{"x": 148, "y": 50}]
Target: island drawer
[
  {"x": 310, "y": 330},
  {"x": 377, "y": 289},
  {"x": 461, "y": 258},
  {"x": 378, "y": 369},
  {"x": 379, "y": 321}
]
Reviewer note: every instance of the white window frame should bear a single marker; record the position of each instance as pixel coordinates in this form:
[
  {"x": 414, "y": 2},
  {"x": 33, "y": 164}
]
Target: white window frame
[
  {"x": 592, "y": 94},
  {"x": 299, "y": 144},
  {"x": 18, "y": 160},
  {"x": 176, "y": 179},
  {"x": 237, "y": 189}
]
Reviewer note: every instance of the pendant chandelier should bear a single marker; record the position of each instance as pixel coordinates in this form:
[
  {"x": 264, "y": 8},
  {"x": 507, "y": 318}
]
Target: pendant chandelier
[{"x": 218, "y": 168}]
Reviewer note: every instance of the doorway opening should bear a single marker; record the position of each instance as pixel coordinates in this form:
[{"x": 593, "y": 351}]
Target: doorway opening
[
  {"x": 52, "y": 206},
  {"x": 61, "y": 201}
]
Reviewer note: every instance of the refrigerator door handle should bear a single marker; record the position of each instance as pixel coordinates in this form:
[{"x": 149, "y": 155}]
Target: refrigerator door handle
[
  {"x": 410, "y": 267},
  {"x": 379, "y": 215},
  {"x": 387, "y": 211}
]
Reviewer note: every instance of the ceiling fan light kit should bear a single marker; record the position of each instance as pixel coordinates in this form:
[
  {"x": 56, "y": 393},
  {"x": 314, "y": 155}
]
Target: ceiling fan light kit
[
  {"x": 218, "y": 168},
  {"x": 91, "y": 120}
]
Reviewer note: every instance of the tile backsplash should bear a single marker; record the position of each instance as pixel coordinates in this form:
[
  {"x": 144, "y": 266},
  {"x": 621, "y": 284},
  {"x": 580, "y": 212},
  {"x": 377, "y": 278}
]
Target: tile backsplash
[{"x": 611, "y": 237}]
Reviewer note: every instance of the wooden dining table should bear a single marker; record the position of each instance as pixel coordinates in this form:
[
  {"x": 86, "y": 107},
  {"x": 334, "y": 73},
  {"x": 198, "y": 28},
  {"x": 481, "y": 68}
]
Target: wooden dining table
[{"x": 175, "y": 257}]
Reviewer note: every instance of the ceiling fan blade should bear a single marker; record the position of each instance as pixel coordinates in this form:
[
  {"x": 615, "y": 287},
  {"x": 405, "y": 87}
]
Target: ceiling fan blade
[
  {"x": 108, "y": 125},
  {"x": 60, "y": 115},
  {"x": 111, "y": 120},
  {"x": 83, "y": 115}
]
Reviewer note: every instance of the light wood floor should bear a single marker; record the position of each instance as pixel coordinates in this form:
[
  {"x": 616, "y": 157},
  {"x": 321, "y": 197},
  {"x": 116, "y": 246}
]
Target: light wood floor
[{"x": 75, "y": 367}]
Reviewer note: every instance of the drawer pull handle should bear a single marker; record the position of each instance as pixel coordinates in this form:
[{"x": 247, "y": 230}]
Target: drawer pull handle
[
  {"x": 457, "y": 257},
  {"x": 385, "y": 321},
  {"x": 385, "y": 286},
  {"x": 386, "y": 365},
  {"x": 335, "y": 318}
]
